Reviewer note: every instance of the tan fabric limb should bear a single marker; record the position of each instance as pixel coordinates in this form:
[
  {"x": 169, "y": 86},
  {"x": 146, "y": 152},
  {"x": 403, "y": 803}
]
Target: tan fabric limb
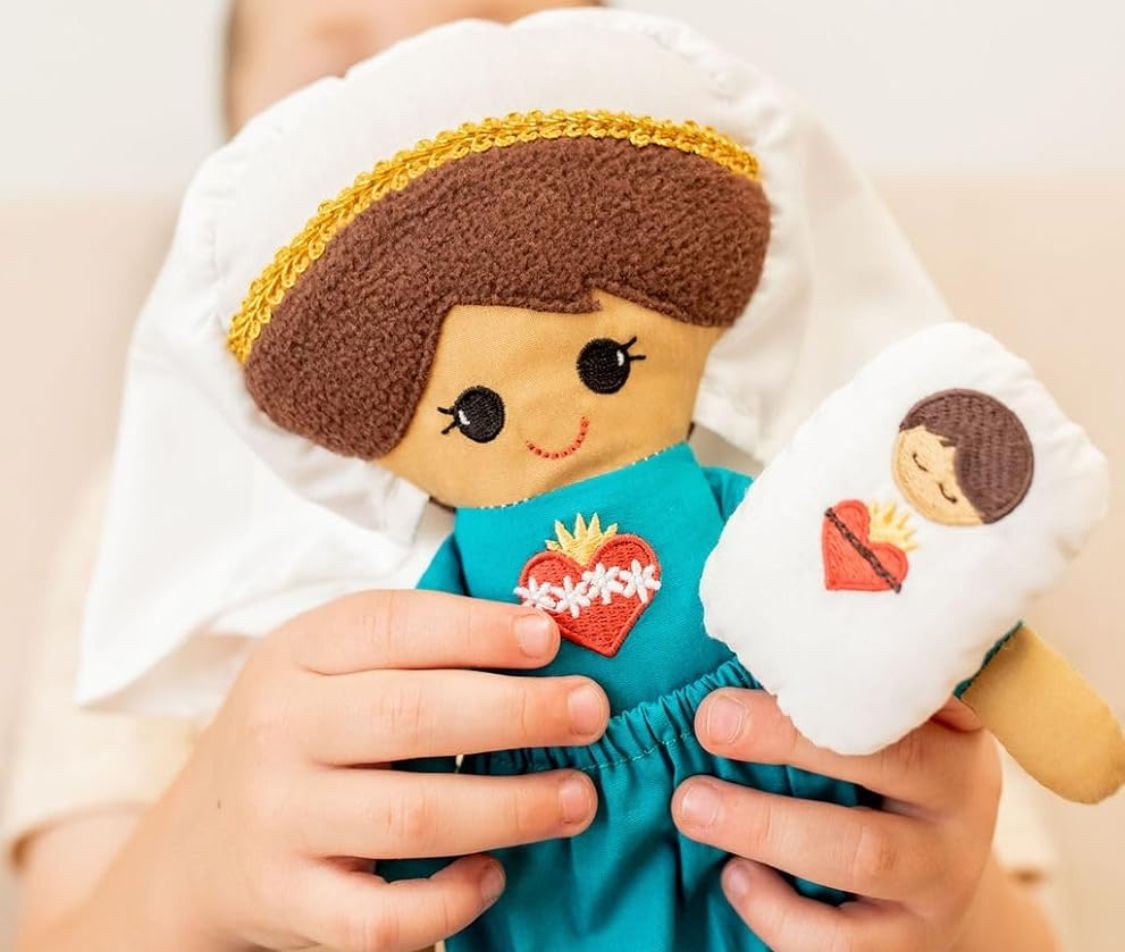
[{"x": 1050, "y": 719}]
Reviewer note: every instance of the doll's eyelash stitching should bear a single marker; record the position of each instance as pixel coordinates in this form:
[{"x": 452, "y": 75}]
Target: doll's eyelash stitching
[
  {"x": 454, "y": 423},
  {"x": 625, "y": 348},
  {"x": 478, "y": 413}
]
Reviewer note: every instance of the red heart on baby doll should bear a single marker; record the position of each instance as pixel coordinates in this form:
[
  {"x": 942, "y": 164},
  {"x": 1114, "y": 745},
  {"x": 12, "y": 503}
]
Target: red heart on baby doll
[
  {"x": 851, "y": 560},
  {"x": 596, "y": 604}
]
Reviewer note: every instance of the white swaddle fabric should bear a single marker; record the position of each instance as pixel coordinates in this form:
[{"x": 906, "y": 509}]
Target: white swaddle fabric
[
  {"x": 857, "y": 669},
  {"x": 215, "y": 509}
]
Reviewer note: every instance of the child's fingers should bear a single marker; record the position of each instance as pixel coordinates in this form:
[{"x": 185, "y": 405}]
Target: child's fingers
[
  {"x": 867, "y": 852},
  {"x": 391, "y": 814},
  {"x": 927, "y": 767},
  {"x": 357, "y": 912},
  {"x": 957, "y": 715},
  {"x": 416, "y": 629},
  {"x": 789, "y": 922},
  {"x": 380, "y": 716}
]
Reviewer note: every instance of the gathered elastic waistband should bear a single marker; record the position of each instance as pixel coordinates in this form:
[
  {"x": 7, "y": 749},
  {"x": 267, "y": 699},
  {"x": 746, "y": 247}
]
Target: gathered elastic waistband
[{"x": 631, "y": 735}]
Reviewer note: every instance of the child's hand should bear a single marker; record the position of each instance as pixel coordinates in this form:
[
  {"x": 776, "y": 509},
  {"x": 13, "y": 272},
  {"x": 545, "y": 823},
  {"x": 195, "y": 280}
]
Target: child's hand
[
  {"x": 917, "y": 864},
  {"x": 285, "y": 791}
]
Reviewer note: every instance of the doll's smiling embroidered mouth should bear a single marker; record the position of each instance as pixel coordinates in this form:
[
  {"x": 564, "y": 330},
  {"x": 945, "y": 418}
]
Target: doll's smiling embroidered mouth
[{"x": 576, "y": 444}]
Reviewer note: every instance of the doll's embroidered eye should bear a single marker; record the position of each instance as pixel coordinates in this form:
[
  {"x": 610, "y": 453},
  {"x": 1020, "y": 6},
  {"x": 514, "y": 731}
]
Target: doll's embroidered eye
[
  {"x": 478, "y": 413},
  {"x": 604, "y": 364}
]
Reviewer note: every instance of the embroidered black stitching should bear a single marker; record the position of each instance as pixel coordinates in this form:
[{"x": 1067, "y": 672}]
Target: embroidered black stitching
[
  {"x": 606, "y": 376},
  {"x": 870, "y": 557},
  {"x": 488, "y": 416}
]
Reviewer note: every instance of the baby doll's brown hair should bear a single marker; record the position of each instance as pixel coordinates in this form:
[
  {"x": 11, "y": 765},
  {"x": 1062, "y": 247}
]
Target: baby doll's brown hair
[
  {"x": 994, "y": 460},
  {"x": 539, "y": 225}
]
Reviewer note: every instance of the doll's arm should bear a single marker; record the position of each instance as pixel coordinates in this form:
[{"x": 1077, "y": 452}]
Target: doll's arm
[
  {"x": 444, "y": 573},
  {"x": 1050, "y": 719},
  {"x": 728, "y": 486}
]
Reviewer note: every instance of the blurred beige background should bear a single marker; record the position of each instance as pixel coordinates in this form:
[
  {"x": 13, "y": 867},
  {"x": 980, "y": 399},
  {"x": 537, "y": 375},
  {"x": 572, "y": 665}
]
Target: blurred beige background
[{"x": 995, "y": 131}]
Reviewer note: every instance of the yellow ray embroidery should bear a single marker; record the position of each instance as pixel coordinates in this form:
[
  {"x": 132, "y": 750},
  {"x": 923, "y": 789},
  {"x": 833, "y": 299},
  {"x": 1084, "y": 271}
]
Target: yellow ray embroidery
[
  {"x": 584, "y": 541},
  {"x": 890, "y": 525}
]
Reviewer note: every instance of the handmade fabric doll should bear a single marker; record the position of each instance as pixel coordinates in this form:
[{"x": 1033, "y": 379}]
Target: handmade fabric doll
[
  {"x": 910, "y": 519},
  {"x": 568, "y": 240},
  {"x": 529, "y": 351}
]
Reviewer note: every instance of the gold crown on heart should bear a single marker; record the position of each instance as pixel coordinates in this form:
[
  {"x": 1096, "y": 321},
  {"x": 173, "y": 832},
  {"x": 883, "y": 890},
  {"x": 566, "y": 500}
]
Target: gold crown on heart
[{"x": 581, "y": 543}]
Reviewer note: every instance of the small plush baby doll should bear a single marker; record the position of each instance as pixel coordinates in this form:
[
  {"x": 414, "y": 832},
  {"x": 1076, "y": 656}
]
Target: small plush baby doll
[{"x": 909, "y": 522}]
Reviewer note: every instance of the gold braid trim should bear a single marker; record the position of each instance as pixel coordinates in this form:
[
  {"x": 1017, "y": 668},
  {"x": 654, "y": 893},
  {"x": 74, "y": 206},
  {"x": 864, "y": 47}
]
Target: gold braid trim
[{"x": 394, "y": 174}]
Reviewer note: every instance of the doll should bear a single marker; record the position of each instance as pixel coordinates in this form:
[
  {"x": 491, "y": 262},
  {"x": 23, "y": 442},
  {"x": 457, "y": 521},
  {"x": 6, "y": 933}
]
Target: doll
[
  {"x": 909, "y": 522},
  {"x": 538, "y": 374},
  {"x": 518, "y": 308}
]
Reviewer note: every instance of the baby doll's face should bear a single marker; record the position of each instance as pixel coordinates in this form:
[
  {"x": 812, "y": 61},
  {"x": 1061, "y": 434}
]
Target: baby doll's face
[
  {"x": 519, "y": 401},
  {"x": 925, "y": 472}
]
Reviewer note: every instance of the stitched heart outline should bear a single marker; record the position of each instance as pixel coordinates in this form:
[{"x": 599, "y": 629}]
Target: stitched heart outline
[{"x": 852, "y": 561}]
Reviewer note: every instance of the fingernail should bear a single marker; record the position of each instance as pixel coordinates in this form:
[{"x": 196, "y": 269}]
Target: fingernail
[
  {"x": 492, "y": 883},
  {"x": 534, "y": 634},
  {"x": 587, "y": 710},
  {"x": 725, "y": 717},
  {"x": 574, "y": 800},
  {"x": 700, "y": 805},
  {"x": 737, "y": 879}
]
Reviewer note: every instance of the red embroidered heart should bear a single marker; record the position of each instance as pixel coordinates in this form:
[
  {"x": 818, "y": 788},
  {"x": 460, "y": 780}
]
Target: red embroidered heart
[
  {"x": 595, "y": 605},
  {"x": 851, "y": 560}
]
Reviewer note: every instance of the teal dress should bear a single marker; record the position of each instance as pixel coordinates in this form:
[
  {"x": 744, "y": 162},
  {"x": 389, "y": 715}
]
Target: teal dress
[{"x": 626, "y": 594}]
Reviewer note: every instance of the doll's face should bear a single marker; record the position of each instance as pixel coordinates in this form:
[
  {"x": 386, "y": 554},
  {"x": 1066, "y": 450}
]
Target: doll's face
[
  {"x": 925, "y": 472},
  {"x": 519, "y": 401}
]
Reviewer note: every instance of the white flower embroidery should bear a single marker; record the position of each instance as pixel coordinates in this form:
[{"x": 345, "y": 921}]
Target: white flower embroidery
[
  {"x": 570, "y": 597},
  {"x": 601, "y": 582},
  {"x": 536, "y": 595},
  {"x": 640, "y": 581}
]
